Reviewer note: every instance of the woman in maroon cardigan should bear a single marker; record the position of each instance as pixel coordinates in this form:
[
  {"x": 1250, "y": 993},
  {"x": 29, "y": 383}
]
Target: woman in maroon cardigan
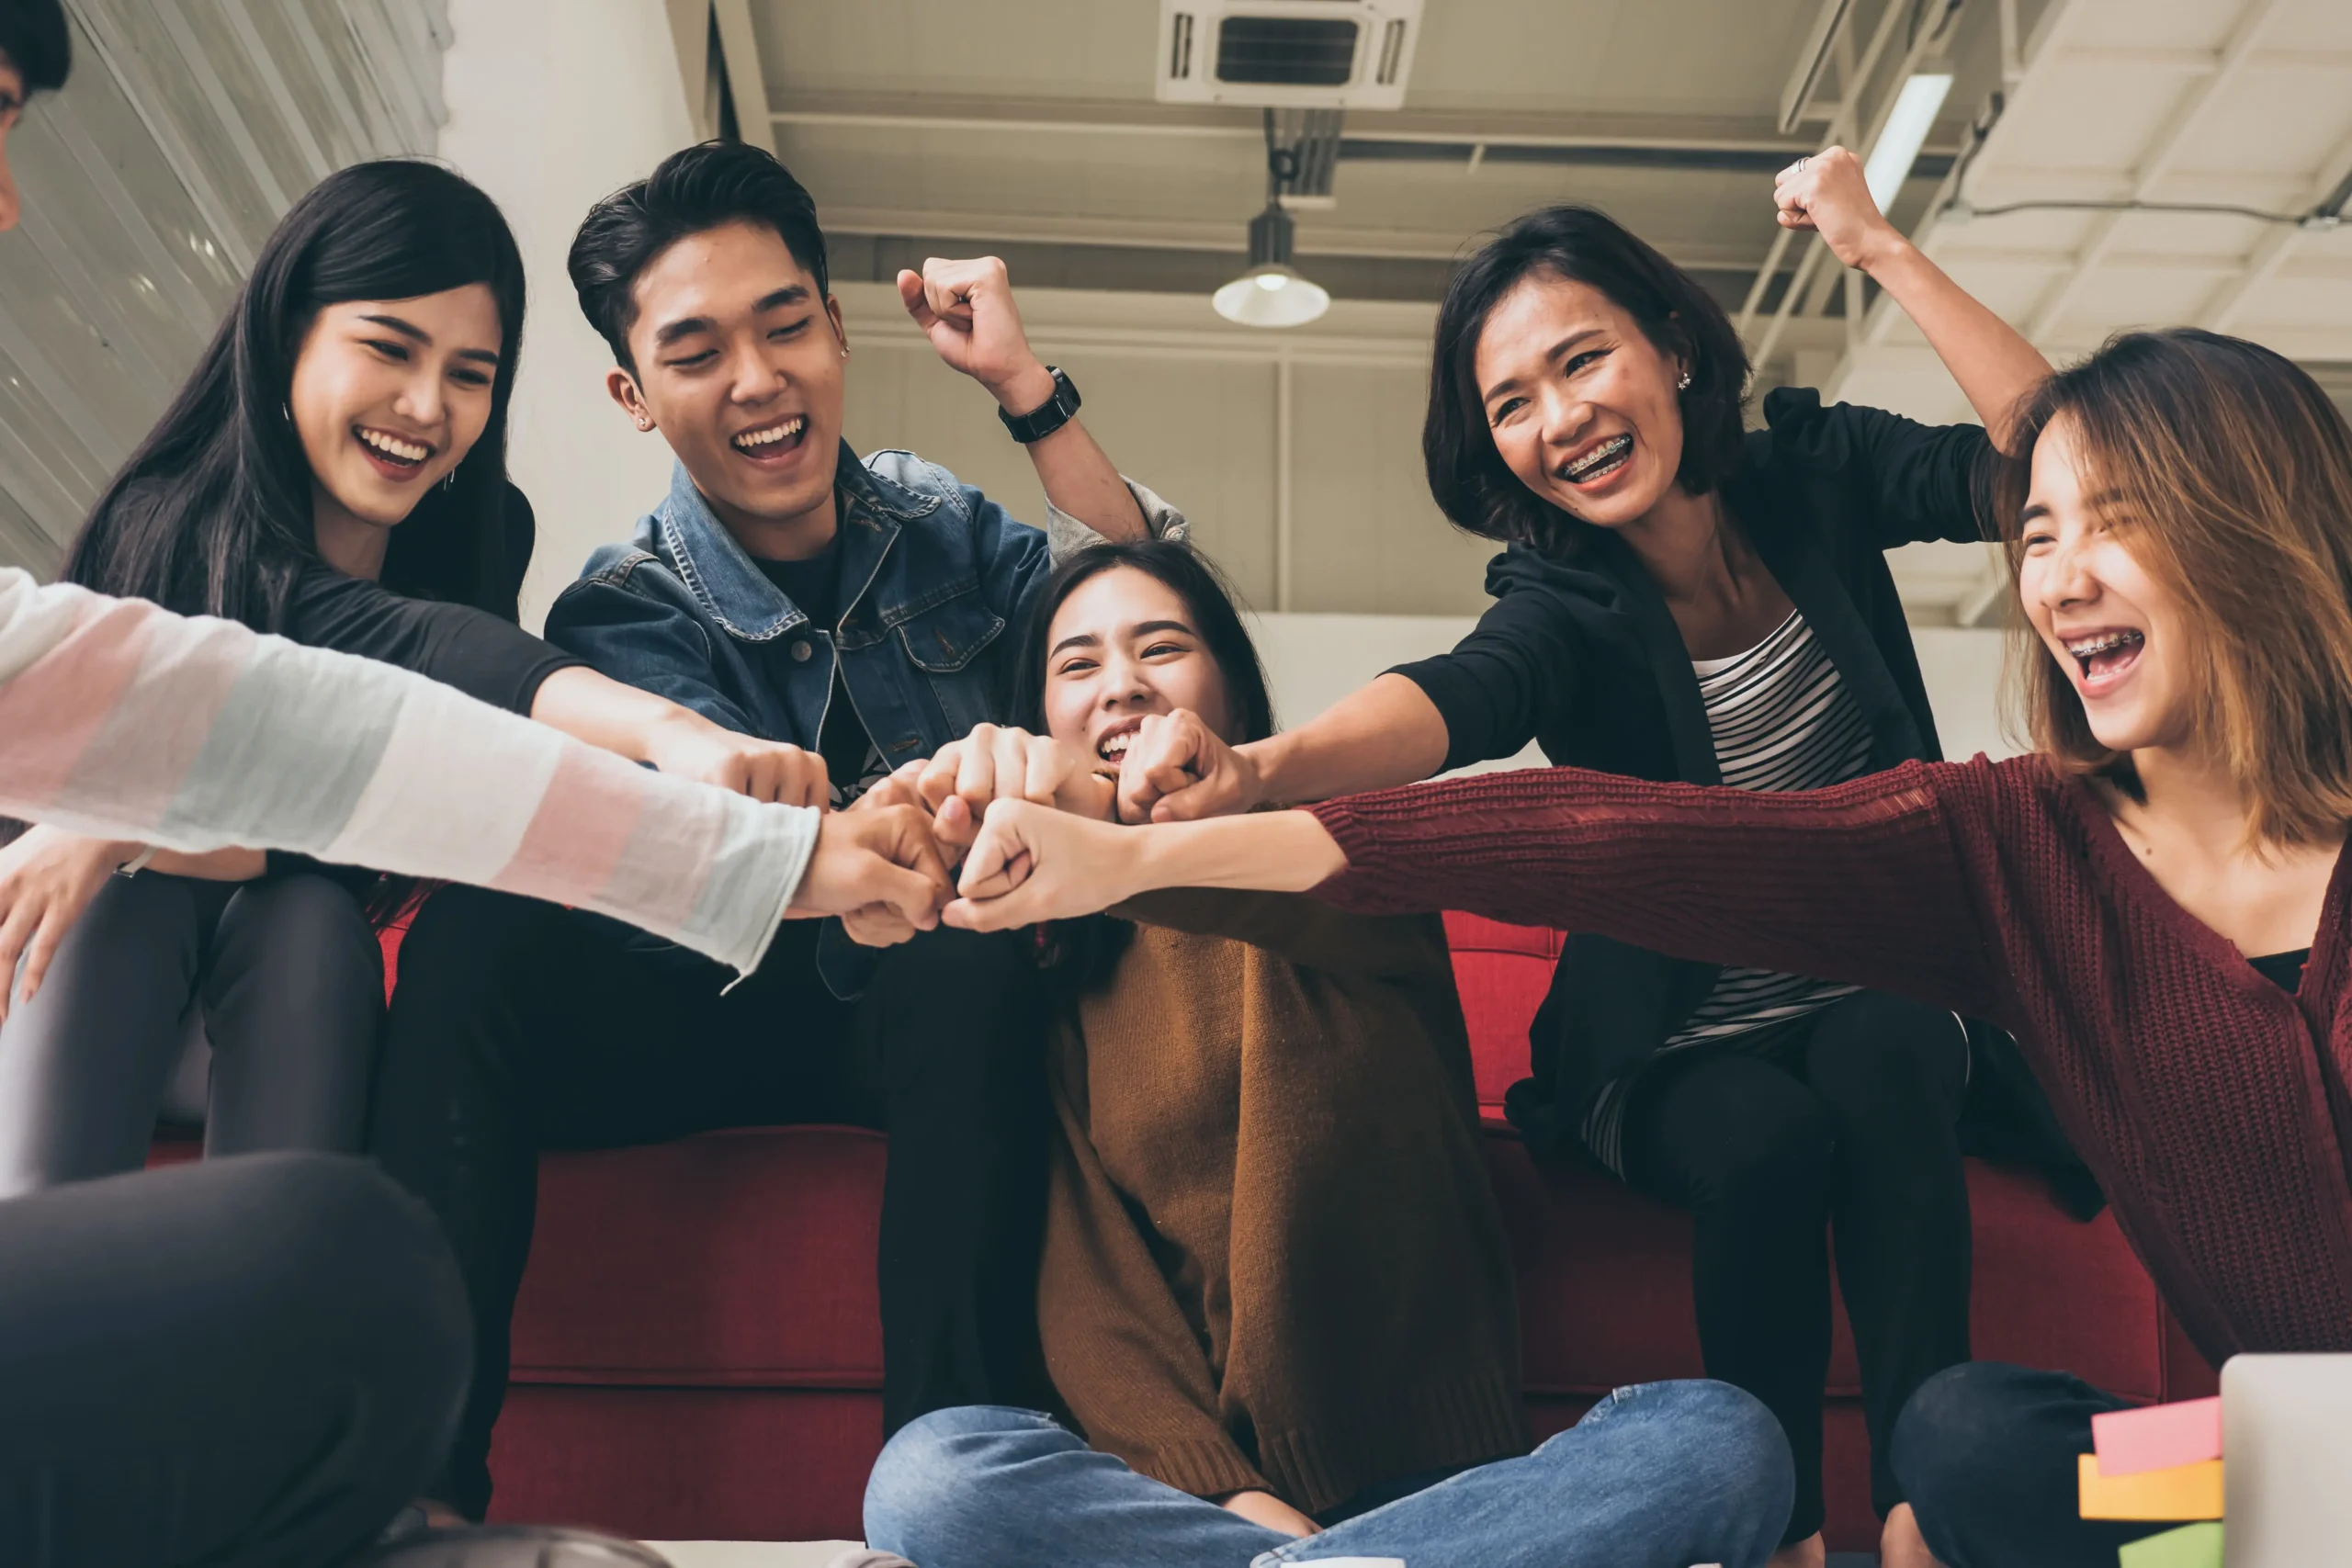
[{"x": 2153, "y": 904}]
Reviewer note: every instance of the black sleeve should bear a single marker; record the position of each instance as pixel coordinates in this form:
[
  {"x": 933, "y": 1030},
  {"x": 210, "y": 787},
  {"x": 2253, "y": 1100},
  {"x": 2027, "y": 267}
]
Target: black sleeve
[
  {"x": 1912, "y": 481},
  {"x": 1496, "y": 688},
  {"x": 488, "y": 658}
]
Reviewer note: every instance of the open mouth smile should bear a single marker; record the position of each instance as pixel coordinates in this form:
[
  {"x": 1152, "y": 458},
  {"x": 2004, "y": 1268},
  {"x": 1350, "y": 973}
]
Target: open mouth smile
[
  {"x": 1114, "y": 744},
  {"x": 773, "y": 441},
  {"x": 2102, "y": 659},
  {"x": 395, "y": 457},
  {"x": 1598, "y": 461}
]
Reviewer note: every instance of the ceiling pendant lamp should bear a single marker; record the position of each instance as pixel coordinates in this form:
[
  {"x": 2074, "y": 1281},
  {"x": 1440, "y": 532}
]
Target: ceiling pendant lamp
[{"x": 1271, "y": 293}]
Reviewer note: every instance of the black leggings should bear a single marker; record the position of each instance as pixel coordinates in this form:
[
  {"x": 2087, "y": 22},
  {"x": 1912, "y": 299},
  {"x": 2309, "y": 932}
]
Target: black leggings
[
  {"x": 248, "y": 1363},
  {"x": 517, "y": 1026},
  {"x": 286, "y": 977},
  {"x": 1848, "y": 1122}
]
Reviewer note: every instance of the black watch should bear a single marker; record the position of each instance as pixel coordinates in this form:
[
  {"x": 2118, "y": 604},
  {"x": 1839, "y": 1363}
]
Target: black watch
[{"x": 1039, "y": 423}]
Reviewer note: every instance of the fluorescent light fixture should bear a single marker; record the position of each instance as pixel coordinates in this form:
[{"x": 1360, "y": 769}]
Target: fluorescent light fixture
[
  {"x": 1906, "y": 129},
  {"x": 1270, "y": 294}
]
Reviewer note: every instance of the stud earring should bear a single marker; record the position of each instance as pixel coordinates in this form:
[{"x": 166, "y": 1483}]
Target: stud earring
[{"x": 1683, "y": 384}]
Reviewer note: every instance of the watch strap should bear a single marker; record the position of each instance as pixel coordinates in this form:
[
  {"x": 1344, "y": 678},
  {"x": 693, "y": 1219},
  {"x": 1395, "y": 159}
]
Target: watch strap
[{"x": 1039, "y": 422}]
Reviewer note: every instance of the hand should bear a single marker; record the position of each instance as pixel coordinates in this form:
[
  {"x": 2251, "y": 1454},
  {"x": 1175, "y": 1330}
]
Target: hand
[
  {"x": 965, "y": 308},
  {"x": 1270, "y": 1512},
  {"x": 1031, "y": 862},
  {"x": 1179, "y": 769},
  {"x": 1827, "y": 193},
  {"x": 1000, "y": 763},
  {"x": 880, "y": 871},
  {"x": 693, "y": 747},
  {"x": 46, "y": 878}
]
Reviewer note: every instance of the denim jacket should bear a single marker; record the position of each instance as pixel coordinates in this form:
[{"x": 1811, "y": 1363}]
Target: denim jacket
[{"x": 933, "y": 574}]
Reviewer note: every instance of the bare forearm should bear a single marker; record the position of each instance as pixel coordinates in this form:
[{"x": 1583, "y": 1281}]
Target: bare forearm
[
  {"x": 220, "y": 866},
  {"x": 1994, "y": 364},
  {"x": 1275, "y": 852},
  {"x": 1079, "y": 478},
  {"x": 1389, "y": 733},
  {"x": 604, "y": 713}
]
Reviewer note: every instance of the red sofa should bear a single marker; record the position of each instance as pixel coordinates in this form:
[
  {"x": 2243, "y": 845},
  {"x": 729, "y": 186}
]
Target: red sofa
[{"x": 698, "y": 1353}]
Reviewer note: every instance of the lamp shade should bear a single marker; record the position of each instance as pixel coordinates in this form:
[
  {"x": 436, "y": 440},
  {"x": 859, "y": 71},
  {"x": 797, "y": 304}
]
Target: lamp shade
[{"x": 1271, "y": 293}]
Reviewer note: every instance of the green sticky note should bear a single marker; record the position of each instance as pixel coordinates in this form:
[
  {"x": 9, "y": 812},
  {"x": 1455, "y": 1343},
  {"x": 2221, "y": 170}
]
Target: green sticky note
[{"x": 2191, "y": 1546}]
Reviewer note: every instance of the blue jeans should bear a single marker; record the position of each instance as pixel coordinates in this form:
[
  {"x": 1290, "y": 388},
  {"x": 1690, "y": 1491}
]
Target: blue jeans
[
  {"x": 1663, "y": 1475},
  {"x": 1985, "y": 1452}
]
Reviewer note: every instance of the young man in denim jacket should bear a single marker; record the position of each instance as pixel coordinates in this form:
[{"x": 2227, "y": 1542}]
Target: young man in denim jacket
[{"x": 861, "y": 612}]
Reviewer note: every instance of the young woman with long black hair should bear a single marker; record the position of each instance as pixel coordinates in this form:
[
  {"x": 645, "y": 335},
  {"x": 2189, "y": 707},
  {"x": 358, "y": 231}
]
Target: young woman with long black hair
[
  {"x": 1276, "y": 1296},
  {"x": 1679, "y": 599},
  {"x": 333, "y": 470},
  {"x": 2156, "y": 903}
]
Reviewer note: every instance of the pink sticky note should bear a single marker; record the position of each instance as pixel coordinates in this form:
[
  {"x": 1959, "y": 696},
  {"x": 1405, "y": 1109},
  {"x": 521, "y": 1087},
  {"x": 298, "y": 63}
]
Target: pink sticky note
[{"x": 2157, "y": 1438}]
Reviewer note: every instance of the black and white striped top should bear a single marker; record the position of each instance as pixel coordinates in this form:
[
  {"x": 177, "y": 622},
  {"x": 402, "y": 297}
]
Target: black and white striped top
[{"x": 1781, "y": 720}]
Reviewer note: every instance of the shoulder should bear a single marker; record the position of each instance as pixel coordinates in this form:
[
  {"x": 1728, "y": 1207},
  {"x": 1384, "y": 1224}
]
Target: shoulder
[
  {"x": 618, "y": 576},
  {"x": 910, "y": 486},
  {"x": 1803, "y": 435}
]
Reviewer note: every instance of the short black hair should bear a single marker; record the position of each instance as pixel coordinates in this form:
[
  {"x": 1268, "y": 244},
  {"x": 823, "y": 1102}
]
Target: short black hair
[
  {"x": 34, "y": 37},
  {"x": 1473, "y": 486},
  {"x": 702, "y": 188}
]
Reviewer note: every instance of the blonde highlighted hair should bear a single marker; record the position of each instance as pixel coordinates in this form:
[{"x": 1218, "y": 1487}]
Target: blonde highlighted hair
[{"x": 2232, "y": 472}]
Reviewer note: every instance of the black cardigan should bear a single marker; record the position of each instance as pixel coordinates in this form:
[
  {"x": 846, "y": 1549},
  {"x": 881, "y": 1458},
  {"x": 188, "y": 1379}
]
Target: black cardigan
[{"x": 1579, "y": 653}]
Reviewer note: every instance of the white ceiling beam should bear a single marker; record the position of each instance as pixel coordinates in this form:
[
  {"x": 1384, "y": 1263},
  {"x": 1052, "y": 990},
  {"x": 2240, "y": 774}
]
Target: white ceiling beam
[
  {"x": 1198, "y": 235},
  {"x": 2221, "y": 311},
  {"x": 2205, "y": 61},
  {"x": 976, "y": 113},
  {"x": 738, "y": 45},
  {"x": 2178, "y": 137}
]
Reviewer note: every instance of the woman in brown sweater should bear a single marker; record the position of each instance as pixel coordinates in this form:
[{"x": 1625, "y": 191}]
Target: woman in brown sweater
[
  {"x": 1275, "y": 1277},
  {"x": 2154, "y": 905}
]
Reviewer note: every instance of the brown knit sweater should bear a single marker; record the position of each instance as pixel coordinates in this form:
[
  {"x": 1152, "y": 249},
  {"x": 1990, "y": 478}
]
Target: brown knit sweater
[
  {"x": 1273, "y": 1259},
  {"x": 2210, "y": 1103}
]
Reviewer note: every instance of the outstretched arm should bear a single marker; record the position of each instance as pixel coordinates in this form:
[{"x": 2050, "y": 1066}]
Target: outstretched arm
[
  {"x": 1994, "y": 364},
  {"x": 1859, "y": 884},
  {"x": 125, "y": 721}
]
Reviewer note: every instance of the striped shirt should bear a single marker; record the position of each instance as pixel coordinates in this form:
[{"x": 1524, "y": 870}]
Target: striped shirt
[
  {"x": 121, "y": 720},
  {"x": 1781, "y": 720}
]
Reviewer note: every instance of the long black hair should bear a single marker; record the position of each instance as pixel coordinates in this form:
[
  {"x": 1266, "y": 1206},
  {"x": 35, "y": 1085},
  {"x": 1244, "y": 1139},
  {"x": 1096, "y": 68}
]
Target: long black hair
[
  {"x": 1473, "y": 486},
  {"x": 212, "y": 515},
  {"x": 1081, "y": 954}
]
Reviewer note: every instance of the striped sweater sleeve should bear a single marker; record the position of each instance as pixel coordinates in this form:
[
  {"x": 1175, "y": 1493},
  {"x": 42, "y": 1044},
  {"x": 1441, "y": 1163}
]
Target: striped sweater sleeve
[{"x": 122, "y": 720}]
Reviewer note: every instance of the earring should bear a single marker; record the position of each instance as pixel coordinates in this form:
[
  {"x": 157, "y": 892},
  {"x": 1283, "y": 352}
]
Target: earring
[
  {"x": 1683, "y": 384},
  {"x": 451, "y": 481},
  {"x": 286, "y": 411}
]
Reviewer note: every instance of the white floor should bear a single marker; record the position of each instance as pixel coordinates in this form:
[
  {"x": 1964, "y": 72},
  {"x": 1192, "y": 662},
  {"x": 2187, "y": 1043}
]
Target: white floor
[{"x": 751, "y": 1553}]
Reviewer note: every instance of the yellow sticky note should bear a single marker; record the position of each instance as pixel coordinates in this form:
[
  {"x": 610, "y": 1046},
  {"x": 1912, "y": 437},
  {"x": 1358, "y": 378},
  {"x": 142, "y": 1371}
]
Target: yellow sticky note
[{"x": 2183, "y": 1492}]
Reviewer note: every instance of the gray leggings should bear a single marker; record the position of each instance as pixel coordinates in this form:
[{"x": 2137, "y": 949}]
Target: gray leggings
[{"x": 285, "y": 977}]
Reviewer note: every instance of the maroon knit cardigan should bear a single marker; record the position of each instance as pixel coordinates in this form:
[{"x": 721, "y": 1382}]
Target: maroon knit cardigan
[{"x": 2211, "y": 1104}]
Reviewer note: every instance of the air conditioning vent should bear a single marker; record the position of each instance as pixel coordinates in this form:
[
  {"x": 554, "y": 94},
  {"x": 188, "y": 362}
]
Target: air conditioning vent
[
  {"x": 1335, "y": 54},
  {"x": 1285, "y": 51}
]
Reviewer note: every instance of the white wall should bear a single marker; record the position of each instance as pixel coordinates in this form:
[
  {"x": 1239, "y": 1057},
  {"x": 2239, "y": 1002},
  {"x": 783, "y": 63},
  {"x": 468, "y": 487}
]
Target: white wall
[{"x": 552, "y": 104}]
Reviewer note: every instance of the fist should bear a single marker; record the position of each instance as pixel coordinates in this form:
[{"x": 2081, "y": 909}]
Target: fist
[
  {"x": 1827, "y": 193},
  {"x": 965, "y": 308}
]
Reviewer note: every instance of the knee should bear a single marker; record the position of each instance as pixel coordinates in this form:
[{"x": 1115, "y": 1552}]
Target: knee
[
  {"x": 1768, "y": 1161},
  {"x": 1878, "y": 1053},
  {"x": 361, "y": 1267},
  {"x": 1709, "y": 1452},
  {"x": 939, "y": 1479},
  {"x": 1953, "y": 1443}
]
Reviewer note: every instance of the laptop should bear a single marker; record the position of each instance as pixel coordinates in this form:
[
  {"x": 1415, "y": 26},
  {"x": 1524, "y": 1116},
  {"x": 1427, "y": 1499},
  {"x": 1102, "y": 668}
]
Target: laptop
[{"x": 2287, "y": 1460}]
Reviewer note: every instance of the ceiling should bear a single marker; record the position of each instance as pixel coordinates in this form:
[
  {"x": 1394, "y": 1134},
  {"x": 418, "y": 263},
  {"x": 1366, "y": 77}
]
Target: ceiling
[{"x": 1030, "y": 126}]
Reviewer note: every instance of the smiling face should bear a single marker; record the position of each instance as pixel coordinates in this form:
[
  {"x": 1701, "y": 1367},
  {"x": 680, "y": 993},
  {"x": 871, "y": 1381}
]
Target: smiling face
[
  {"x": 1581, "y": 404},
  {"x": 2116, "y": 632},
  {"x": 738, "y": 365},
  {"x": 1122, "y": 647},
  {"x": 388, "y": 397}
]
